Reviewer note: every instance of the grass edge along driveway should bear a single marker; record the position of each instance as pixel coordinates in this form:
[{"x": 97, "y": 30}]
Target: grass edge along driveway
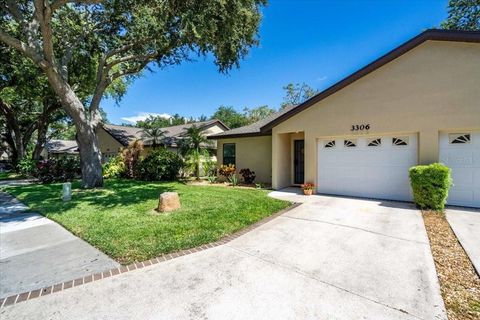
[{"x": 119, "y": 219}]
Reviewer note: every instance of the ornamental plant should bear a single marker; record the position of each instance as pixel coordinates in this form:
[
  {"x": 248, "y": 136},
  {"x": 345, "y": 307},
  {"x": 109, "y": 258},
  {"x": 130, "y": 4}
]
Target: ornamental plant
[
  {"x": 308, "y": 186},
  {"x": 248, "y": 175},
  {"x": 430, "y": 185},
  {"x": 160, "y": 165},
  {"x": 227, "y": 171},
  {"x": 114, "y": 168}
]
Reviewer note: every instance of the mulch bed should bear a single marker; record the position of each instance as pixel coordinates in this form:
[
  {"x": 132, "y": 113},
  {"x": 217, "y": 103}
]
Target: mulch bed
[{"x": 459, "y": 283}]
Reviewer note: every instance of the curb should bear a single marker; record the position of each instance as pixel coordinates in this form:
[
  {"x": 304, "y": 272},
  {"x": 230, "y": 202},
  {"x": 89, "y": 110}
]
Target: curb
[{"x": 29, "y": 295}]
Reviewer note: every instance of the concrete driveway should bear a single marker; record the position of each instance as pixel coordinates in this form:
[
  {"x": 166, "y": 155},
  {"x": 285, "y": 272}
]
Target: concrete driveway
[
  {"x": 36, "y": 252},
  {"x": 330, "y": 258},
  {"x": 465, "y": 224}
]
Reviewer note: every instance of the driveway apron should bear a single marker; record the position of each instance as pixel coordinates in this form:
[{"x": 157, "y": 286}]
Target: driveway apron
[{"x": 330, "y": 258}]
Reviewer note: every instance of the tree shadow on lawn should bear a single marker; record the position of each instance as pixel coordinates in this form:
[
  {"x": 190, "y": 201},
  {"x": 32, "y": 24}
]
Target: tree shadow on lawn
[{"x": 116, "y": 193}]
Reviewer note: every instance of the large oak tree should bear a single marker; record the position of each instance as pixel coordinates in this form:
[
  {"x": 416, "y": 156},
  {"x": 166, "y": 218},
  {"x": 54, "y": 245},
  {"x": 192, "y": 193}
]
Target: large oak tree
[{"x": 121, "y": 38}]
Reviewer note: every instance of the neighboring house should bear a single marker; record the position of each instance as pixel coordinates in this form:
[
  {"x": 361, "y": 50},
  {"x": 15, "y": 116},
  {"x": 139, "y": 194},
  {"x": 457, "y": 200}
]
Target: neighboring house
[
  {"x": 113, "y": 138},
  {"x": 418, "y": 104},
  {"x": 60, "y": 148}
]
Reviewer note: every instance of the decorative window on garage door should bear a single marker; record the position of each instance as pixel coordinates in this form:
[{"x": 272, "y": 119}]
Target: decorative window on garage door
[
  {"x": 459, "y": 138},
  {"x": 400, "y": 141},
  {"x": 374, "y": 142},
  {"x": 329, "y": 144},
  {"x": 350, "y": 143}
]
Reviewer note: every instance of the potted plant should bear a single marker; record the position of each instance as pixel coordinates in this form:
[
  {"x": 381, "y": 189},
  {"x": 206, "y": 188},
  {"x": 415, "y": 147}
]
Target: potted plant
[{"x": 308, "y": 188}]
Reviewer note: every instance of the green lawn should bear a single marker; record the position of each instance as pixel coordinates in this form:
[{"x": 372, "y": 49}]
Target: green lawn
[
  {"x": 10, "y": 175},
  {"x": 119, "y": 219}
]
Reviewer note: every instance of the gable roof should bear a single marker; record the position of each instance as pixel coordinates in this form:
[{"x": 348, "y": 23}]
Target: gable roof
[
  {"x": 127, "y": 134},
  {"x": 62, "y": 146},
  {"x": 264, "y": 127},
  {"x": 431, "y": 34},
  {"x": 252, "y": 129}
]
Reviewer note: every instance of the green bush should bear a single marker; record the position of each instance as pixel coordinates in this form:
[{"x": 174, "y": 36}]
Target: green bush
[
  {"x": 430, "y": 185},
  {"x": 27, "y": 167},
  {"x": 160, "y": 165},
  {"x": 114, "y": 168},
  {"x": 58, "y": 169}
]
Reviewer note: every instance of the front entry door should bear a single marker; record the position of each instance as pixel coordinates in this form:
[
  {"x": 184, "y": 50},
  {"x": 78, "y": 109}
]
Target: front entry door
[{"x": 298, "y": 161}]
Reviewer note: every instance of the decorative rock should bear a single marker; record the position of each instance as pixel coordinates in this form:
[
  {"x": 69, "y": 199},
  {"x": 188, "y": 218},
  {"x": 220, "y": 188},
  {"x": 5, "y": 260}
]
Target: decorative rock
[{"x": 168, "y": 201}]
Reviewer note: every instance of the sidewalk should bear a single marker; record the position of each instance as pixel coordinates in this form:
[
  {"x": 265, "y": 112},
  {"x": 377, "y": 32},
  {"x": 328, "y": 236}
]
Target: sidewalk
[{"x": 36, "y": 252}]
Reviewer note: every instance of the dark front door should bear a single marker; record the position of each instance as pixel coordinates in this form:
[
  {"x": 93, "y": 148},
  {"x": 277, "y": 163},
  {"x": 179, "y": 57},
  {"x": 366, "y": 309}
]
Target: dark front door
[{"x": 298, "y": 162}]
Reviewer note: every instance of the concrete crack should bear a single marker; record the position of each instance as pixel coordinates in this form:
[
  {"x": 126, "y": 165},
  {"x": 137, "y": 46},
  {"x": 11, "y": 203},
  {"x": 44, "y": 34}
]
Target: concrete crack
[{"x": 356, "y": 228}]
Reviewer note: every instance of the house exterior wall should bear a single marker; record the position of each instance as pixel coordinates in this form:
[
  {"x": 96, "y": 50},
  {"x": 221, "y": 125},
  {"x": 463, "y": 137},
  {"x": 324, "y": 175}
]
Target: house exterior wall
[
  {"x": 432, "y": 88},
  {"x": 107, "y": 144},
  {"x": 110, "y": 147},
  {"x": 254, "y": 153}
]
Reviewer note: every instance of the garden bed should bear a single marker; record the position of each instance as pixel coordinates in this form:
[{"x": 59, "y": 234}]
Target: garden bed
[{"x": 459, "y": 283}]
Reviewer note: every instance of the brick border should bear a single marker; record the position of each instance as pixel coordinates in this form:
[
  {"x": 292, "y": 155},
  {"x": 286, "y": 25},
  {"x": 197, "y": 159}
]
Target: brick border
[{"x": 29, "y": 295}]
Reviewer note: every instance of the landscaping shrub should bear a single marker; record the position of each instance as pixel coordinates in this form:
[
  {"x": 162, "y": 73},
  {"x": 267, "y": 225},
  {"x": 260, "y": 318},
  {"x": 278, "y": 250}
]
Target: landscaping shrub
[
  {"x": 27, "y": 167},
  {"x": 160, "y": 165},
  {"x": 430, "y": 185},
  {"x": 209, "y": 166},
  {"x": 248, "y": 175},
  {"x": 227, "y": 171},
  {"x": 114, "y": 168},
  {"x": 131, "y": 158},
  {"x": 58, "y": 170}
]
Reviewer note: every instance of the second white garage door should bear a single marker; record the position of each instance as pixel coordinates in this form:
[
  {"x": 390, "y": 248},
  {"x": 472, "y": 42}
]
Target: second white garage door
[
  {"x": 373, "y": 167},
  {"x": 460, "y": 151}
]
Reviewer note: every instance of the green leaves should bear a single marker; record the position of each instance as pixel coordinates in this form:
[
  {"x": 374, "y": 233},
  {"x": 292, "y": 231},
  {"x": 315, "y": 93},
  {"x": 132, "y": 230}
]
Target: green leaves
[
  {"x": 430, "y": 185},
  {"x": 463, "y": 15}
]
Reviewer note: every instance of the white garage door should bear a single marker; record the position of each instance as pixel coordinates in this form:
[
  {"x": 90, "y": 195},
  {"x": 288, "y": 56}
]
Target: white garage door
[
  {"x": 374, "y": 167},
  {"x": 461, "y": 152}
]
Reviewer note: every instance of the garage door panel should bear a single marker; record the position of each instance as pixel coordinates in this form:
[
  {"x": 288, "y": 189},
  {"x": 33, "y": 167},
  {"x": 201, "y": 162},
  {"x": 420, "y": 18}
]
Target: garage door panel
[
  {"x": 464, "y": 161},
  {"x": 367, "y": 171}
]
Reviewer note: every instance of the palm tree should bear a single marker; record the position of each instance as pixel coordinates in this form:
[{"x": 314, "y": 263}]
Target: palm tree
[
  {"x": 194, "y": 147},
  {"x": 155, "y": 135}
]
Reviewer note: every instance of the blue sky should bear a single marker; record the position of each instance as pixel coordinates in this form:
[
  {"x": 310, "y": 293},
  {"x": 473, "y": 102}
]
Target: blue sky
[{"x": 314, "y": 41}]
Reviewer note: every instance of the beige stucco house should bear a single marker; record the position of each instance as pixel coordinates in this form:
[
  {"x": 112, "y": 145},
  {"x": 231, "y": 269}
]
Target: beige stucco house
[
  {"x": 113, "y": 138},
  {"x": 418, "y": 104}
]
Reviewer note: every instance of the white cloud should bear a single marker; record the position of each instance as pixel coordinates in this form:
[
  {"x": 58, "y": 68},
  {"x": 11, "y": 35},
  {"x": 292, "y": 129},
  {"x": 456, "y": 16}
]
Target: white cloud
[
  {"x": 144, "y": 115},
  {"x": 322, "y": 78}
]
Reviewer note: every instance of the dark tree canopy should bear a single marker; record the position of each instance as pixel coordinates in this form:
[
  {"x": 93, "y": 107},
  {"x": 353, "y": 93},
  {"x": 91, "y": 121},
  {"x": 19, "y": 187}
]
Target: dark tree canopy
[
  {"x": 231, "y": 117},
  {"x": 463, "y": 15},
  {"x": 113, "y": 41},
  {"x": 163, "y": 122},
  {"x": 297, "y": 93}
]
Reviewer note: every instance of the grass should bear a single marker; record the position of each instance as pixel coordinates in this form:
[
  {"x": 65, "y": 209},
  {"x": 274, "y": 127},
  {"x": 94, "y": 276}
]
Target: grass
[
  {"x": 119, "y": 219},
  {"x": 459, "y": 283},
  {"x": 10, "y": 175}
]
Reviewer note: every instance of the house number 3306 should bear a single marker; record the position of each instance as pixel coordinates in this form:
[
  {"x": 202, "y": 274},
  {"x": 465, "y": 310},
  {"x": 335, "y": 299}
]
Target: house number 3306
[{"x": 360, "y": 127}]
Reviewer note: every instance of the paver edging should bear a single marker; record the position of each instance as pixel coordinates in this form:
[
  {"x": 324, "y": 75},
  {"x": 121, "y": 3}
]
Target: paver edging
[{"x": 29, "y": 295}]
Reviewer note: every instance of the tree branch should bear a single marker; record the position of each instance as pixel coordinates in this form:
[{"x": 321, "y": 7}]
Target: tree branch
[
  {"x": 43, "y": 14},
  {"x": 24, "y": 48},
  {"x": 59, "y": 3}
]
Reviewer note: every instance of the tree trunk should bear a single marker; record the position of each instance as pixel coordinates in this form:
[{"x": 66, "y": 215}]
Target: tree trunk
[
  {"x": 90, "y": 158},
  {"x": 17, "y": 142},
  {"x": 41, "y": 140}
]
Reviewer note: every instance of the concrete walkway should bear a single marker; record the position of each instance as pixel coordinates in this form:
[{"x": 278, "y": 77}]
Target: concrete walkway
[
  {"x": 465, "y": 224},
  {"x": 36, "y": 252},
  {"x": 330, "y": 258}
]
